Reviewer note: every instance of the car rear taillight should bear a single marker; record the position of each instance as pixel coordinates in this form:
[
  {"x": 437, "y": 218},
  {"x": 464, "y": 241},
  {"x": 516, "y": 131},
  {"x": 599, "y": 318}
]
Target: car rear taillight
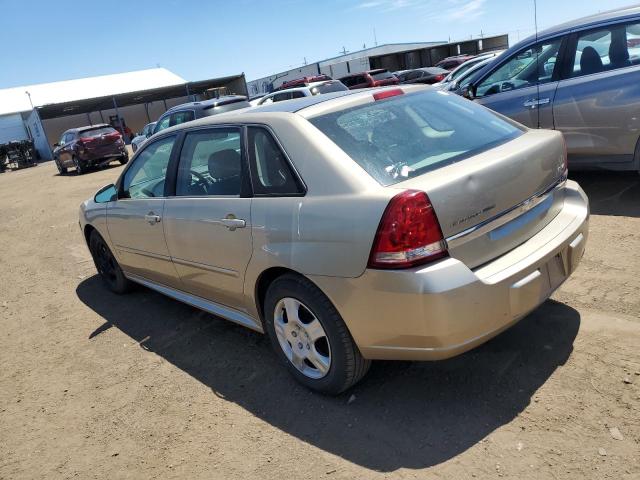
[
  {"x": 438, "y": 78},
  {"x": 387, "y": 93},
  {"x": 409, "y": 233}
]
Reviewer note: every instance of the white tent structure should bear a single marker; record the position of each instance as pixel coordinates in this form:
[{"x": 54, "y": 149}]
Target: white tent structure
[
  {"x": 44, "y": 111},
  {"x": 15, "y": 100}
]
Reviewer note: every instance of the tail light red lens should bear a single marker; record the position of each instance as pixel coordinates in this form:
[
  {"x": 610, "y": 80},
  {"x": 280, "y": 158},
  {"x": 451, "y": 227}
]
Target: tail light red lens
[
  {"x": 439, "y": 78},
  {"x": 409, "y": 233}
]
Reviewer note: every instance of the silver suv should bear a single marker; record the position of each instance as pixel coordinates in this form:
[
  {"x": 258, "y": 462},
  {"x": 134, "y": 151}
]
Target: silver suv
[
  {"x": 580, "y": 78},
  {"x": 394, "y": 223}
]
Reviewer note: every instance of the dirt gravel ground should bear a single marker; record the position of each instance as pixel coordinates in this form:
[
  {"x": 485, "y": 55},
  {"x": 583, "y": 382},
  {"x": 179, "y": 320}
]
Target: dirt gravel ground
[{"x": 93, "y": 385}]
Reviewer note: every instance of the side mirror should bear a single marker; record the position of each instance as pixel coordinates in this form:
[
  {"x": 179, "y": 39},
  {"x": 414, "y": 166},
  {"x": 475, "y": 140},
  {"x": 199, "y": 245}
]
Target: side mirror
[
  {"x": 469, "y": 92},
  {"x": 106, "y": 194}
]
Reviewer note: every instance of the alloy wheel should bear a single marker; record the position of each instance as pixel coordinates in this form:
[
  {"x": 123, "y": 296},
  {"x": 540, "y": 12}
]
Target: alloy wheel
[{"x": 302, "y": 338}]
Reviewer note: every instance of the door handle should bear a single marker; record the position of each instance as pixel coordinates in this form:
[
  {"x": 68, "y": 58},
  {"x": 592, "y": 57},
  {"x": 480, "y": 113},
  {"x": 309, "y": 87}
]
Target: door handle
[
  {"x": 152, "y": 218},
  {"x": 231, "y": 222},
  {"x": 534, "y": 102}
]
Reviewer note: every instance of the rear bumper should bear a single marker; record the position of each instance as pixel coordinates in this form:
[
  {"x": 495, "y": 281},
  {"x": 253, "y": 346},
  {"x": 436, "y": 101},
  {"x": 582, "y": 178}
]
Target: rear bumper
[
  {"x": 101, "y": 156},
  {"x": 445, "y": 308}
]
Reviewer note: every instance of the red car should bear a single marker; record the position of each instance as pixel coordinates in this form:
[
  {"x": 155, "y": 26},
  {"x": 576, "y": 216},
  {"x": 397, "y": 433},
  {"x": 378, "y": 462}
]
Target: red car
[
  {"x": 450, "y": 63},
  {"x": 370, "y": 78},
  {"x": 303, "y": 82},
  {"x": 91, "y": 146}
]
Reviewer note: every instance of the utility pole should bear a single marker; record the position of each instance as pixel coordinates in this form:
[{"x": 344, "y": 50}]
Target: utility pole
[
  {"x": 344, "y": 51},
  {"x": 305, "y": 60},
  {"x": 375, "y": 38}
]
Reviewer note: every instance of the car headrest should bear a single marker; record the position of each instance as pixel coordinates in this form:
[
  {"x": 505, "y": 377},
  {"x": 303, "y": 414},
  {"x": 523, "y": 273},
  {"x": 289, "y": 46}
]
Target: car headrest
[
  {"x": 590, "y": 61},
  {"x": 225, "y": 163}
]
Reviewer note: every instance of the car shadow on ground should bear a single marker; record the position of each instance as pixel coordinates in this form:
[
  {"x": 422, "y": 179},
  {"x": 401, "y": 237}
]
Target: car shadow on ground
[
  {"x": 611, "y": 193},
  {"x": 405, "y": 414}
]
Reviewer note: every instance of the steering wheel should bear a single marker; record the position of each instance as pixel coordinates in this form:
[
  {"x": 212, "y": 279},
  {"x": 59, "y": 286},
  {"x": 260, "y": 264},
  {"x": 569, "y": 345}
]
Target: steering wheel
[
  {"x": 201, "y": 180},
  {"x": 507, "y": 86}
]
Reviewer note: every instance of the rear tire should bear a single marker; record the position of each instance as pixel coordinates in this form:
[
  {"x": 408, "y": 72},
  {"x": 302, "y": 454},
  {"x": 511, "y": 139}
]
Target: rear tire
[
  {"x": 331, "y": 341},
  {"x": 107, "y": 265},
  {"x": 81, "y": 168}
]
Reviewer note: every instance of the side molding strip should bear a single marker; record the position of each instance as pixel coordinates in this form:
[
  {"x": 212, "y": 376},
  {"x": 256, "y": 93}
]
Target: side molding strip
[{"x": 199, "y": 302}]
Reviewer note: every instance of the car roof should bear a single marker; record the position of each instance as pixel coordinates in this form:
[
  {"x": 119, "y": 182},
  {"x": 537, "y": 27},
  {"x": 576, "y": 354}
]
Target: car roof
[
  {"x": 297, "y": 104},
  {"x": 595, "y": 19},
  {"x": 430, "y": 69},
  {"x": 87, "y": 127},
  {"x": 207, "y": 104}
]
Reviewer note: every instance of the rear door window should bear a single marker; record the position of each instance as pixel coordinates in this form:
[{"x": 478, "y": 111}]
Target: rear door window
[
  {"x": 271, "y": 173},
  {"x": 607, "y": 48},
  {"x": 408, "y": 135}
]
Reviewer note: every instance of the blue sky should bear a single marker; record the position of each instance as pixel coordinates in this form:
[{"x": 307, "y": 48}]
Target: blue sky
[{"x": 50, "y": 40}]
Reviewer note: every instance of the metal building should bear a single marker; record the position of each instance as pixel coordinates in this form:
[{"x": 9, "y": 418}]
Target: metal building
[{"x": 396, "y": 56}]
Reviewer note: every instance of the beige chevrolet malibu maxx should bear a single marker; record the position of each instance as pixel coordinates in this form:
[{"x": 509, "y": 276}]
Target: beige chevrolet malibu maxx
[{"x": 394, "y": 223}]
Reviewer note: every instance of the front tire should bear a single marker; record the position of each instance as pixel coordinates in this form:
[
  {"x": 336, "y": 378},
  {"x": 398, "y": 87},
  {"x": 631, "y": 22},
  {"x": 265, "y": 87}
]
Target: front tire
[
  {"x": 310, "y": 337},
  {"x": 81, "y": 168},
  {"x": 124, "y": 159},
  {"x": 107, "y": 266},
  {"x": 61, "y": 170}
]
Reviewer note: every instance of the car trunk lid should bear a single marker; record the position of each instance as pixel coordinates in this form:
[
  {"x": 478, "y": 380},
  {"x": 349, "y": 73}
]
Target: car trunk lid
[{"x": 492, "y": 202}]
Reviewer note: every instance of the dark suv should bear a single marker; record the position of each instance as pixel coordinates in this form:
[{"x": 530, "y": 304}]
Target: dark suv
[
  {"x": 91, "y": 146},
  {"x": 190, "y": 111},
  {"x": 370, "y": 78}
]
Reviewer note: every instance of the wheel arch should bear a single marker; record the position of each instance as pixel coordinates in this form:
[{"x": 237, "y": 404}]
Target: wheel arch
[
  {"x": 88, "y": 230},
  {"x": 270, "y": 275}
]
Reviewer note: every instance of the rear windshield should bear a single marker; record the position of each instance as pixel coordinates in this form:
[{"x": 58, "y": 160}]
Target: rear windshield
[
  {"x": 381, "y": 75},
  {"x": 96, "y": 132},
  {"x": 328, "y": 88},
  {"x": 408, "y": 135}
]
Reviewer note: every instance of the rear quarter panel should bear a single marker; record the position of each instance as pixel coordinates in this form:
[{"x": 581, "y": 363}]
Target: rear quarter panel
[{"x": 328, "y": 231}]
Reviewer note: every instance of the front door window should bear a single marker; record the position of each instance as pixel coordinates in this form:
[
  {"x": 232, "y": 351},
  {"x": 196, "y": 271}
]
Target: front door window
[
  {"x": 146, "y": 176},
  {"x": 532, "y": 66}
]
